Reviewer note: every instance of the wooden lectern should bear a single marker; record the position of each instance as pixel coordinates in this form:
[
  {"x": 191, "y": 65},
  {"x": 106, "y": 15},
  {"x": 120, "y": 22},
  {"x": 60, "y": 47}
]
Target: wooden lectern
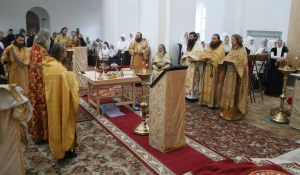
[
  {"x": 251, "y": 65},
  {"x": 167, "y": 109},
  {"x": 80, "y": 64}
]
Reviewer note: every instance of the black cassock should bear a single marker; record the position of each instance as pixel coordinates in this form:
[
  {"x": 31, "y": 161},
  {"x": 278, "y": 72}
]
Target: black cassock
[
  {"x": 274, "y": 76},
  {"x": 2, "y": 81}
]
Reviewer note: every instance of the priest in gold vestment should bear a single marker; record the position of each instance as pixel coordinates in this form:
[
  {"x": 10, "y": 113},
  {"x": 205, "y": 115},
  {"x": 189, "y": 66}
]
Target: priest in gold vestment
[
  {"x": 161, "y": 61},
  {"x": 15, "y": 111},
  {"x": 233, "y": 77},
  {"x": 190, "y": 59},
  {"x": 139, "y": 52},
  {"x": 17, "y": 55},
  {"x": 208, "y": 64},
  {"x": 62, "y": 100},
  {"x": 62, "y": 37}
]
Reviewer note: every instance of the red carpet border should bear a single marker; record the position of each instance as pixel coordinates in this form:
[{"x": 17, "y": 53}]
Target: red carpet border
[
  {"x": 217, "y": 165},
  {"x": 149, "y": 160}
]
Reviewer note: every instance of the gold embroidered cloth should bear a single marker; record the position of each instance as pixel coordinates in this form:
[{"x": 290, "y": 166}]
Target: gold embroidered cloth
[
  {"x": 15, "y": 111},
  {"x": 167, "y": 111},
  {"x": 193, "y": 73},
  {"x": 18, "y": 75},
  {"x": 210, "y": 59},
  {"x": 233, "y": 77},
  {"x": 62, "y": 100},
  {"x": 138, "y": 58}
]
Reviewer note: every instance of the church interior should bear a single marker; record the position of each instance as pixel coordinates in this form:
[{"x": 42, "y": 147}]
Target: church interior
[{"x": 192, "y": 87}]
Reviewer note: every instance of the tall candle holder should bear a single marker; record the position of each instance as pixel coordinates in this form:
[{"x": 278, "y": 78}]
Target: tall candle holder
[
  {"x": 284, "y": 68},
  {"x": 143, "y": 128}
]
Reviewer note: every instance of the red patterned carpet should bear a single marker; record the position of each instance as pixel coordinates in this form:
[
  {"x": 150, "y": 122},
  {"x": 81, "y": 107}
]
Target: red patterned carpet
[
  {"x": 232, "y": 139},
  {"x": 193, "y": 159},
  {"x": 100, "y": 152}
]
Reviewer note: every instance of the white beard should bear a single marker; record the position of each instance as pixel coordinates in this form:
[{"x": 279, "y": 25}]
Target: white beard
[{"x": 160, "y": 54}]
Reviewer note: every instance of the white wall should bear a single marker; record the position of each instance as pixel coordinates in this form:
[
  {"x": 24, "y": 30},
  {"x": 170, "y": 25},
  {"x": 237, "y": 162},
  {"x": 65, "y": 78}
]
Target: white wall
[
  {"x": 238, "y": 16},
  {"x": 182, "y": 19},
  {"x": 70, "y": 13},
  {"x": 214, "y": 18},
  {"x": 268, "y": 15},
  {"x": 149, "y": 22},
  {"x": 161, "y": 21},
  {"x": 120, "y": 17}
]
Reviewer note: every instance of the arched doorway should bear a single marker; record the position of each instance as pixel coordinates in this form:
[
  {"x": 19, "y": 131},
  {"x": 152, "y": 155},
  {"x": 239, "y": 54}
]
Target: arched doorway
[{"x": 37, "y": 18}]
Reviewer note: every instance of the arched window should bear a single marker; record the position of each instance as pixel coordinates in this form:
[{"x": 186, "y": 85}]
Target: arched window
[{"x": 200, "y": 19}]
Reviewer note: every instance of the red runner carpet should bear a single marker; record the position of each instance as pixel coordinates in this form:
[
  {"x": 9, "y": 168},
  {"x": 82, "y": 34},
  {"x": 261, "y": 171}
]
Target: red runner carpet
[
  {"x": 230, "y": 167},
  {"x": 184, "y": 160},
  {"x": 179, "y": 161}
]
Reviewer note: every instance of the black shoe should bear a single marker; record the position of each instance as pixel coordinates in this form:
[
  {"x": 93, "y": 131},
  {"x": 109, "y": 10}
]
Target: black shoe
[
  {"x": 41, "y": 142},
  {"x": 70, "y": 155}
]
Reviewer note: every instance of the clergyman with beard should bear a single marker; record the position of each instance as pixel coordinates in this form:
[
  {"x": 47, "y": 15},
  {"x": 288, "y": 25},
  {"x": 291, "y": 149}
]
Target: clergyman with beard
[
  {"x": 139, "y": 52},
  {"x": 208, "y": 63},
  {"x": 38, "y": 125},
  {"x": 160, "y": 61},
  {"x": 17, "y": 55},
  {"x": 191, "y": 58},
  {"x": 62, "y": 37}
]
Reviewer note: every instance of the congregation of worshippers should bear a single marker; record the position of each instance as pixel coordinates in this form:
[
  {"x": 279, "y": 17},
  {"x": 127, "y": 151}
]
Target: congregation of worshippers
[{"x": 217, "y": 75}]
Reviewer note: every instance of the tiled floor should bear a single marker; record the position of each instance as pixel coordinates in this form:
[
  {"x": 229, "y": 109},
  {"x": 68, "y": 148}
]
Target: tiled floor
[{"x": 261, "y": 108}]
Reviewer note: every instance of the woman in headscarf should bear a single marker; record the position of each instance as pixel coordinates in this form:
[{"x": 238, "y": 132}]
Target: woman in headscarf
[
  {"x": 250, "y": 44},
  {"x": 227, "y": 44},
  {"x": 183, "y": 41}
]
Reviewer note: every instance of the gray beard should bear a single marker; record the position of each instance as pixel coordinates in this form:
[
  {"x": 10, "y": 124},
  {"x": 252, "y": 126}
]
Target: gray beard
[{"x": 48, "y": 45}]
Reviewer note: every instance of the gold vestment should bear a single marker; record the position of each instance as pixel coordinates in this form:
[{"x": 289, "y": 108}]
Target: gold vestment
[
  {"x": 193, "y": 72},
  {"x": 233, "y": 80},
  {"x": 209, "y": 60},
  {"x": 62, "y": 100}
]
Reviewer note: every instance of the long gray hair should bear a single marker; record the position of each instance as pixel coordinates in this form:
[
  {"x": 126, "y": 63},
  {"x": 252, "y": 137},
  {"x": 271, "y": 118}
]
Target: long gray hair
[
  {"x": 43, "y": 38},
  {"x": 57, "y": 49}
]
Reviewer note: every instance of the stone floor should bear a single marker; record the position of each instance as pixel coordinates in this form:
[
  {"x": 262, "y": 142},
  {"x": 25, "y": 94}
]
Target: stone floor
[{"x": 261, "y": 108}]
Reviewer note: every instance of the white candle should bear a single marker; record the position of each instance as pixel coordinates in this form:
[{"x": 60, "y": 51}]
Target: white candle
[{"x": 95, "y": 73}]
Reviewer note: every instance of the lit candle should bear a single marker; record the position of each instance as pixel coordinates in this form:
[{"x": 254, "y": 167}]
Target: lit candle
[
  {"x": 146, "y": 66},
  {"x": 296, "y": 62},
  {"x": 95, "y": 73}
]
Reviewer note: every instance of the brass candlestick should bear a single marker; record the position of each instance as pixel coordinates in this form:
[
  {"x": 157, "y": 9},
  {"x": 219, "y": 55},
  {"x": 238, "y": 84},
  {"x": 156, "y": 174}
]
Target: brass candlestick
[
  {"x": 143, "y": 128},
  {"x": 281, "y": 117}
]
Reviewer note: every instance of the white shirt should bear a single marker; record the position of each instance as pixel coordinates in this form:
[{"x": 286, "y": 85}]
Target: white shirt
[
  {"x": 122, "y": 45},
  {"x": 252, "y": 49},
  {"x": 113, "y": 52},
  {"x": 2, "y": 46},
  {"x": 104, "y": 53},
  {"x": 131, "y": 39},
  {"x": 278, "y": 56}
]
